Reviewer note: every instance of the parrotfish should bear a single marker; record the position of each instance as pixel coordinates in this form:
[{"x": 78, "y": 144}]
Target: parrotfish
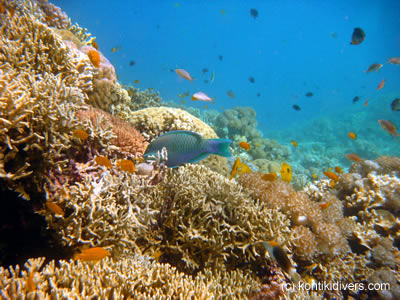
[{"x": 187, "y": 147}]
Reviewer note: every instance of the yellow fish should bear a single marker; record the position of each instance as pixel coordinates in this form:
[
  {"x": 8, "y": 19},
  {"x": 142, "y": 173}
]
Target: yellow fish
[
  {"x": 286, "y": 172},
  {"x": 244, "y": 168},
  {"x": 235, "y": 168}
]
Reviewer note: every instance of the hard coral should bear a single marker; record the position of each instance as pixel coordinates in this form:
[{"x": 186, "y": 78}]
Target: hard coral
[
  {"x": 205, "y": 220},
  {"x": 41, "y": 87},
  {"x": 134, "y": 277},
  {"x": 104, "y": 93},
  {"x": 127, "y": 138},
  {"x": 302, "y": 211}
]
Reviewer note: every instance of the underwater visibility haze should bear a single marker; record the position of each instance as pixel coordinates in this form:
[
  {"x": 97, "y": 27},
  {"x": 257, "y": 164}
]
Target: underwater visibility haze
[{"x": 300, "y": 100}]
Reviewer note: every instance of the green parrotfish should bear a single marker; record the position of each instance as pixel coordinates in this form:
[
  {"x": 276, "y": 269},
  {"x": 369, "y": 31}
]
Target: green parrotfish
[{"x": 187, "y": 147}]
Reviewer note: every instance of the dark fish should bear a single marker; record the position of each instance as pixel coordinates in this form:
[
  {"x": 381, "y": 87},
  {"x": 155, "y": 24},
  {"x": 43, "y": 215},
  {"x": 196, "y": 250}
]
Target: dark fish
[
  {"x": 373, "y": 67},
  {"x": 309, "y": 94},
  {"x": 355, "y": 99},
  {"x": 206, "y": 81},
  {"x": 204, "y": 70},
  {"x": 220, "y": 57},
  {"x": 357, "y": 37},
  {"x": 396, "y": 104},
  {"x": 296, "y": 107},
  {"x": 187, "y": 147},
  {"x": 258, "y": 94},
  {"x": 230, "y": 94},
  {"x": 334, "y": 35},
  {"x": 254, "y": 13},
  {"x": 171, "y": 70},
  {"x": 132, "y": 63},
  {"x": 251, "y": 79}
]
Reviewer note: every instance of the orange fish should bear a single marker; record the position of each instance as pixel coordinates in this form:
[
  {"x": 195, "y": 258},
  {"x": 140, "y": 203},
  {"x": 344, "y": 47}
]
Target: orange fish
[
  {"x": 80, "y": 134},
  {"x": 92, "y": 254},
  {"x": 94, "y": 57},
  {"x": 103, "y": 161},
  {"x": 54, "y": 208},
  {"x": 94, "y": 45},
  {"x": 286, "y": 172},
  {"x": 235, "y": 168},
  {"x": 245, "y": 146},
  {"x": 294, "y": 143},
  {"x": 324, "y": 205},
  {"x": 126, "y": 165},
  {"x": 381, "y": 84},
  {"x": 331, "y": 175},
  {"x": 338, "y": 170},
  {"x": 332, "y": 184},
  {"x": 269, "y": 176},
  {"x": 352, "y": 135},
  {"x": 366, "y": 102},
  {"x": 200, "y": 96},
  {"x": 353, "y": 157},
  {"x": 184, "y": 74},
  {"x": 314, "y": 176},
  {"x": 389, "y": 127},
  {"x": 244, "y": 168}
]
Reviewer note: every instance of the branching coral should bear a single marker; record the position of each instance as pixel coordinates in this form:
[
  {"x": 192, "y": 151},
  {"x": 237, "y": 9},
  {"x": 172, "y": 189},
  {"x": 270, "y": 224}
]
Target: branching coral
[
  {"x": 195, "y": 218},
  {"x": 209, "y": 222},
  {"x": 324, "y": 236},
  {"x": 127, "y": 278},
  {"x": 42, "y": 84},
  {"x": 371, "y": 200}
]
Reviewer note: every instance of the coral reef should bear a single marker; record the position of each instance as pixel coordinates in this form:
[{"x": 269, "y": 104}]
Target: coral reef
[
  {"x": 238, "y": 121},
  {"x": 134, "y": 277},
  {"x": 127, "y": 138},
  {"x": 221, "y": 227},
  {"x": 371, "y": 198},
  {"x": 143, "y": 99},
  {"x": 324, "y": 235},
  {"x": 42, "y": 85}
]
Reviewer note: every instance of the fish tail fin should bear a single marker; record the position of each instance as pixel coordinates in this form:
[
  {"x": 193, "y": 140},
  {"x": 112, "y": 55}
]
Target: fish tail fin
[{"x": 220, "y": 147}]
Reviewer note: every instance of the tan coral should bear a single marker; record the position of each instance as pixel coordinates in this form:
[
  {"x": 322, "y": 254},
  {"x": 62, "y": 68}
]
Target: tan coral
[
  {"x": 302, "y": 211},
  {"x": 134, "y": 277},
  {"x": 127, "y": 138},
  {"x": 154, "y": 121}
]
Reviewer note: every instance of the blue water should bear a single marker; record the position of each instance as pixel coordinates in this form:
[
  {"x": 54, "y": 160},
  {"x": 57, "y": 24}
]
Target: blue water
[{"x": 291, "y": 48}]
